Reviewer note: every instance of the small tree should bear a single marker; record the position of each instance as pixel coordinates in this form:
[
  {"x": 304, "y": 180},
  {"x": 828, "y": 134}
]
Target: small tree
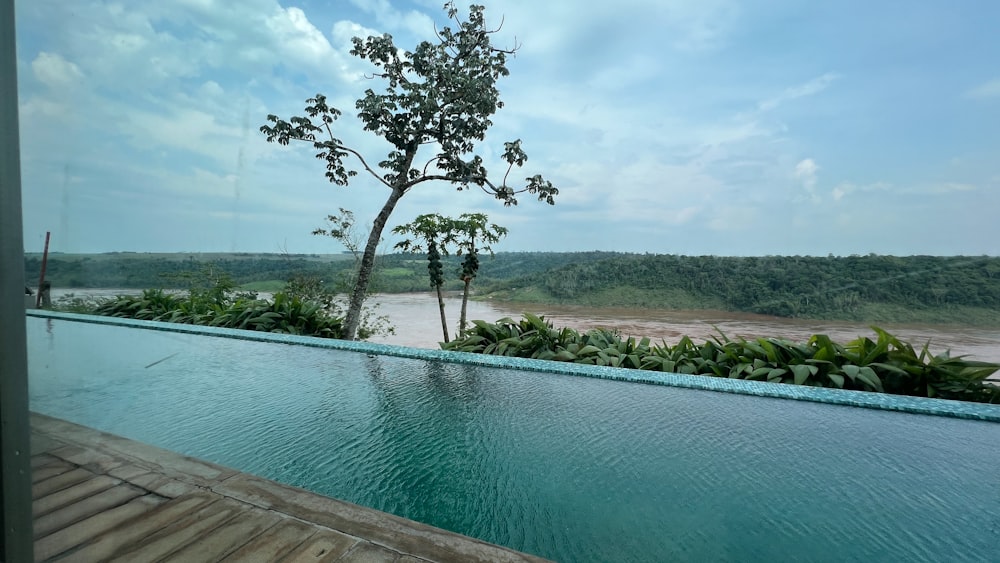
[
  {"x": 434, "y": 230},
  {"x": 343, "y": 228},
  {"x": 469, "y": 229},
  {"x": 439, "y": 95}
]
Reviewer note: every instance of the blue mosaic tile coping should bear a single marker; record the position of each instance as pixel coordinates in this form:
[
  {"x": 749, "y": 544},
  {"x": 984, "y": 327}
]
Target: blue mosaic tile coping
[{"x": 916, "y": 405}]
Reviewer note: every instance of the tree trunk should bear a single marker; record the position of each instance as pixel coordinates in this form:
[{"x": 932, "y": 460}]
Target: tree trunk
[
  {"x": 353, "y": 318},
  {"x": 465, "y": 302},
  {"x": 444, "y": 321}
]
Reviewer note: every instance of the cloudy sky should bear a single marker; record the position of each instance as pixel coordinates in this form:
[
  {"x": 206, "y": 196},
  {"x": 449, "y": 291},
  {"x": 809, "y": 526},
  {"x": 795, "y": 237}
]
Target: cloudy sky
[{"x": 729, "y": 127}]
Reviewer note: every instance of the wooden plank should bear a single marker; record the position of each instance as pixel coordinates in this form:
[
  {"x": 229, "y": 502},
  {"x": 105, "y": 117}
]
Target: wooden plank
[
  {"x": 69, "y": 495},
  {"x": 41, "y": 443},
  {"x": 59, "y": 482},
  {"x": 50, "y": 470},
  {"x": 40, "y": 460},
  {"x": 85, "y": 508},
  {"x": 394, "y": 532},
  {"x": 225, "y": 539},
  {"x": 128, "y": 472},
  {"x": 78, "y": 533},
  {"x": 366, "y": 552},
  {"x": 280, "y": 539},
  {"x": 181, "y": 532},
  {"x": 106, "y": 451},
  {"x": 162, "y": 485},
  {"x": 88, "y": 458},
  {"x": 131, "y": 533},
  {"x": 322, "y": 547}
]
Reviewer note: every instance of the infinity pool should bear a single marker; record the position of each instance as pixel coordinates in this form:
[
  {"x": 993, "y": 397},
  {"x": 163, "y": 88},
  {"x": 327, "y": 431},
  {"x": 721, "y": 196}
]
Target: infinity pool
[{"x": 566, "y": 467}]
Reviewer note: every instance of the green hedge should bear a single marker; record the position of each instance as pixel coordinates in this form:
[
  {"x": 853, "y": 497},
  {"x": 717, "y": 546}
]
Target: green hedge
[
  {"x": 287, "y": 314},
  {"x": 884, "y": 365}
]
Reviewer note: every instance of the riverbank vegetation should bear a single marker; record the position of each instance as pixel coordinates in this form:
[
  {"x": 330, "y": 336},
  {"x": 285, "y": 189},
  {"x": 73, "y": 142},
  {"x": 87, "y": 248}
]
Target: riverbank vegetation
[
  {"x": 884, "y": 364},
  {"x": 303, "y": 308},
  {"x": 871, "y": 289}
]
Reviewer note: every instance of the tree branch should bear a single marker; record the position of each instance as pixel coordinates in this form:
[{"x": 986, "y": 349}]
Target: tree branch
[{"x": 357, "y": 154}]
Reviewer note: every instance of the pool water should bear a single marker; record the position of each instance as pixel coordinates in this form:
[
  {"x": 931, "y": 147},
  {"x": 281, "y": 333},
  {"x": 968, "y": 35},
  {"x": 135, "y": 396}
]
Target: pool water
[{"x": 566, "y": 467}]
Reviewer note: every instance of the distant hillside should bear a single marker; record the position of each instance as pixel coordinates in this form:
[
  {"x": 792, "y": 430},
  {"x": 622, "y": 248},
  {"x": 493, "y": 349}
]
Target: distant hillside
[
  {"x": 859, "y": 288},
  {"x": 396, "y": 272},
  {"x": 170, "y": 270}
]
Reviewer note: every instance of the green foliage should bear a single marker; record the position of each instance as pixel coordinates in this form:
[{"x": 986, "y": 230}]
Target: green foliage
[
  {"x": 72, "y": 303},
  {"x": 472, "y": 233},
  {"x": 284, "y": 314},
  {"x": 884, "y": 365},
  {"x": 302, "y": 310},
  {"x": 130, "y": 270},
  {"x": 430, "y": 230},
  {"x": 311, "y": 289}
]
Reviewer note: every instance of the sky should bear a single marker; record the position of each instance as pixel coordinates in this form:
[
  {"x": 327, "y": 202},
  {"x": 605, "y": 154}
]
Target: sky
[{"x": 725, "y": 127}]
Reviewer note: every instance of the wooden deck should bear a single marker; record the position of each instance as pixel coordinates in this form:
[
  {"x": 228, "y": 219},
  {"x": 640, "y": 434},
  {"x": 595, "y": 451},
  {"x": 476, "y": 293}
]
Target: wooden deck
[{"x": 100, "y": 497}]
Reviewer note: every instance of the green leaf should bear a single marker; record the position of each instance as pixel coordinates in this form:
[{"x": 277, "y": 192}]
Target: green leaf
[{"x": 802, "y": 372}]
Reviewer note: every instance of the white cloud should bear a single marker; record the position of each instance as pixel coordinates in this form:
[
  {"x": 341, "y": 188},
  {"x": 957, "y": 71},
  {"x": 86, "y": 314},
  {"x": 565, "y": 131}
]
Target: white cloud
[
  {"x": 989, "y": 89},
  {"x": 344, "y": 30},
  {"x": 298, "y": 38},
  {"x": 417, "y": 24},
  {"x": 810, "y": 88},
  {"x": 54, "y": 71},
  {"x": 951, "y": 187},
  {"x": 806, "y": 171}
]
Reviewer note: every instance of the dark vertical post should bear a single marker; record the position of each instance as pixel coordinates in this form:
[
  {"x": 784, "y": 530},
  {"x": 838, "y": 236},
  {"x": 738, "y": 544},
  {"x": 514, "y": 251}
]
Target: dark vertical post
[
  {"x": 41, "y": 275},
  {"x": 15, "y": 449}
]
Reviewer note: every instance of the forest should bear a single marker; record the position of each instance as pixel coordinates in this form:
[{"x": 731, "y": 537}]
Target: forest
[{"x": 870, "y": 288}]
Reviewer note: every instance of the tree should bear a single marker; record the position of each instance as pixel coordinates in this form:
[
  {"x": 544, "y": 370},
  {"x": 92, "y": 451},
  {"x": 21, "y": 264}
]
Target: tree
[
  {"x": 435, "y": 231},
  {"x": 439, "y": 96},
  {"x": 465, "y": 231},
  {"x": 343, "y": 228}
]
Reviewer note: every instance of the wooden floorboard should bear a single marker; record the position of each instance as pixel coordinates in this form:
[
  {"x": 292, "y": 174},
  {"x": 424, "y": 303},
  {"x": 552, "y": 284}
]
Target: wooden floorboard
[{"x": 101, "y": 497}]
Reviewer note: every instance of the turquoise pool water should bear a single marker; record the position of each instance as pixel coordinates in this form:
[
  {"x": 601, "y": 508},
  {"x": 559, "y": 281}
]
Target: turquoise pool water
[{"x": 570, "y": 468}]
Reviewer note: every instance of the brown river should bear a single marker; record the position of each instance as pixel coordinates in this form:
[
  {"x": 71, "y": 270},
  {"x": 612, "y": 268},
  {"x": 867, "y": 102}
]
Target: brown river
[{"x": 417, "y": 324}]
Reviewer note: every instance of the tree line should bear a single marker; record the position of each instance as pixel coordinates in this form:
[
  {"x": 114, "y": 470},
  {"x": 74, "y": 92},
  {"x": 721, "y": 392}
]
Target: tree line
[{"x": 849, "y": 288}]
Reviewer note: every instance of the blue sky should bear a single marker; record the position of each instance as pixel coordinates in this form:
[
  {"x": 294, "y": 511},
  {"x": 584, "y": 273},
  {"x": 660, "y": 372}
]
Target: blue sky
[{"x": 727, "y": 127}]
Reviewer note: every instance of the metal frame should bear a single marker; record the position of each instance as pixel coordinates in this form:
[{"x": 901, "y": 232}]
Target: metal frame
[{"x": 15, "y": 445}]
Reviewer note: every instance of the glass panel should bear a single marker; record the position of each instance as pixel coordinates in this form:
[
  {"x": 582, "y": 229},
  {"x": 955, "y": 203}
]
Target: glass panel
[{"x": 726, "y": 170}]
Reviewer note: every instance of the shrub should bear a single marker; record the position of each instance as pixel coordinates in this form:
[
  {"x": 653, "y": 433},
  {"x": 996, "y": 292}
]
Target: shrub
[{"x": 884, "y": 365}]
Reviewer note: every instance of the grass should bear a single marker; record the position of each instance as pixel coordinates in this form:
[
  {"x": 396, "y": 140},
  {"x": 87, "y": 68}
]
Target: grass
[{"x": 397, "y": 273}]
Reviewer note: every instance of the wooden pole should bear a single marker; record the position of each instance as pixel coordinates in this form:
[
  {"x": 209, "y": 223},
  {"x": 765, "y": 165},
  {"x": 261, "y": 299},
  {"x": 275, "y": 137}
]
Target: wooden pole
[{"x": 41, "y": 276}]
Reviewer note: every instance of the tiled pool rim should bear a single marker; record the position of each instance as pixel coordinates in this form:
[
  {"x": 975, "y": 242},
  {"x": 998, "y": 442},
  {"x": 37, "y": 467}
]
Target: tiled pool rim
[{"x": 880, "y": 401}]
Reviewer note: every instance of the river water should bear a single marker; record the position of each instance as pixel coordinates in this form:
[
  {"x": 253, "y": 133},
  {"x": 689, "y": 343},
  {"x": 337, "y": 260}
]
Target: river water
[{"x": 417, "y": 323}]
